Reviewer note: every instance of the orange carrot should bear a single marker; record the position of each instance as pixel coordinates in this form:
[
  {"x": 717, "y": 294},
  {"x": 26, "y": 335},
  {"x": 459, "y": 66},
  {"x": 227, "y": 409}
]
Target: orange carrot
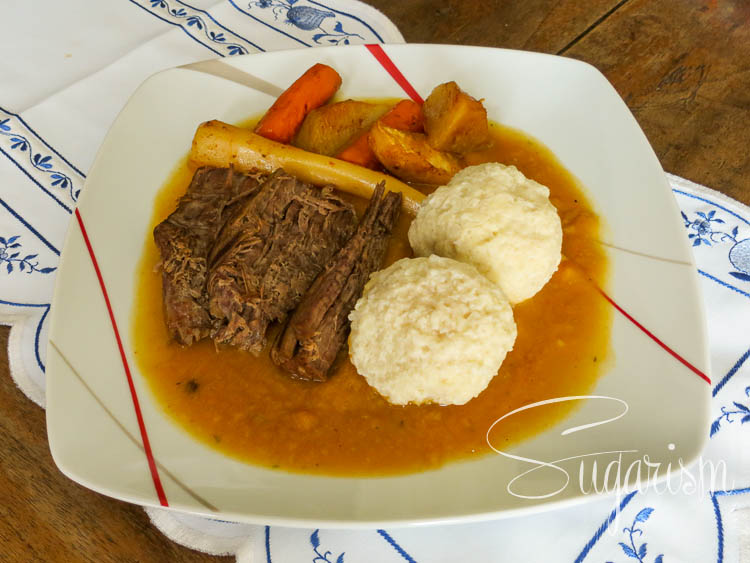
[
  {"x": 405, "y": 115},
  {"x": 311, "y": 90}
]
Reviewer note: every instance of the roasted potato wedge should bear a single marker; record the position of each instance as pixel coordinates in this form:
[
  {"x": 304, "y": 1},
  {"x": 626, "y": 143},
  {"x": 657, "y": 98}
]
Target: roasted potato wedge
[
  {"x": 329, "y": 128},
  {"x": 454, "y": 121},
  {"x": 410, "y": 157}
]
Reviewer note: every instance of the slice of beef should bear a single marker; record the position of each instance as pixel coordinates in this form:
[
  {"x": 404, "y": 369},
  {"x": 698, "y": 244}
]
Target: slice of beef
[
  {"x": 309, "y": 343},
  {"x": 269, "y": 253},
  {"x": 184, "y": 239}
]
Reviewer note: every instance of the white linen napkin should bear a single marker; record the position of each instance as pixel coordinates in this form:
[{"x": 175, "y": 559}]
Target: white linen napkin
[{"x": 57, "y": 101}]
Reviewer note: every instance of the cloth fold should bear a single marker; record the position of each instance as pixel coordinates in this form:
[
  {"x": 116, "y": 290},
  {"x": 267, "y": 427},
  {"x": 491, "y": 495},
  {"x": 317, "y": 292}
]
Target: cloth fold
[{"x": 56, "y": 104}]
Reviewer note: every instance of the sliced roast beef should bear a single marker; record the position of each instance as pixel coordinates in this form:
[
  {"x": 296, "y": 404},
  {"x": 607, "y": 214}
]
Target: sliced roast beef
[
  {"x": 184, "y": 239},
  {"x": 309, "y": 343},
  {"x": 268, "y": 253}
]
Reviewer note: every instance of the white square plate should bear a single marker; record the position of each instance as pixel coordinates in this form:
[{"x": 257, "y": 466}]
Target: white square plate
[{"x": 568, "y": 105}]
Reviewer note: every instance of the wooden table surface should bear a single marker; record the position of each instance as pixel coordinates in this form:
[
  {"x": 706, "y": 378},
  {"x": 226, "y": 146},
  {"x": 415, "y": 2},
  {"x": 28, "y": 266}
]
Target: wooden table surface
[{"x": 683, "y": 68}]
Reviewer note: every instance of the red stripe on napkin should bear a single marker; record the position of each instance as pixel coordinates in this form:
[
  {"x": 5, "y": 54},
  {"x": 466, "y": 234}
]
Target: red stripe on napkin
[
  {"x": 655, "y": 338},
  {"x": 133, "y": 394},
  {"x": 385, "y": 60}
]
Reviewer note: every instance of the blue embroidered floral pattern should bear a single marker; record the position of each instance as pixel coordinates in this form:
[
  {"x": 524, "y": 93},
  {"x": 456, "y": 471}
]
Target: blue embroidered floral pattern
[
  {"x": 308, "y": 18},
  {"x": 738, "y": 410},
  {"x": 704, "y": 233},
  {"x": 42, "y": 162},
  {"x": 197, "y": 20},
  {"x": 739, "y": 256},
  {"x": 322, "y": 557},
  {"x": 10, "y": 256},
  {"x": 705, "y": 230},
  {"x": 630, "y": 549}
]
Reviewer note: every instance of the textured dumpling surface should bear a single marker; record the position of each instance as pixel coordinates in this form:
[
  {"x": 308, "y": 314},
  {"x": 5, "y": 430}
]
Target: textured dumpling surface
[
  {"x": 430, "y": 330},
  {"x": 495, "y": 218}
]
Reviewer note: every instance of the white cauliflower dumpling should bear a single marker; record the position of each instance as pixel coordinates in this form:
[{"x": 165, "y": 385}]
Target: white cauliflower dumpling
[
  {"x": 495, "y": 218},
  {"x": 430, "y": 330}
]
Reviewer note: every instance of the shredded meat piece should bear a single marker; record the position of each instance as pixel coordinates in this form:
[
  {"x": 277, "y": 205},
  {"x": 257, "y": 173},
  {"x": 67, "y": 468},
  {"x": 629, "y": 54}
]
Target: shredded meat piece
[
  {"x": 267, "y": 255},
  {"x": 311, "y": 340},
  {"x": 184, "y": 239}
]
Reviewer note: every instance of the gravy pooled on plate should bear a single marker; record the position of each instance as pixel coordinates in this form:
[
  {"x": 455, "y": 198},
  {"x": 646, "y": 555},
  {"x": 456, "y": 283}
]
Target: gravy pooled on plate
[{"x": 248, "y": 408}]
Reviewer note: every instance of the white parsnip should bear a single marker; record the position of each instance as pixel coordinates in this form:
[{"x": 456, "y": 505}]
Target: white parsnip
[{"x": 220, "y": 144}]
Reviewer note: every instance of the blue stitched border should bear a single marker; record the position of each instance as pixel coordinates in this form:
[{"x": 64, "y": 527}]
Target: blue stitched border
[
  {"x": 400, "y": 550},
  {"x": 731, "y": 373},
  {"x": 47, "y": 243},
  {"x": 46, "y": 144},
  {"x": 185, "y": 31},
  {"x": 367, "y": 25},
  {"x": 248, "y": 14},
  {"x": 732, "y": 492},
  {"x": 719, "y": 528},
  {"x": 268, "y": 544},
  {"x": 717, "y": 512},
  {"x": 712, "y": 203},
  {"x": 45, "y": 190},
  {"x": 220, "y": 25},
  {"x": 37, "y": 336},
  {"x": 723, "y": 283},
  {"x": 38, "y": 332},
  {"x": 603, "y": 528},
  {"x": 702, "y": 272}
]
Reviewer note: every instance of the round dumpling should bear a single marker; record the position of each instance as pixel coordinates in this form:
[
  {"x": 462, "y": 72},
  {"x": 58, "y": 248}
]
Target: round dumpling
[
  {"x": 430, "y": 330},
  {"x": 495, "y": 218}
]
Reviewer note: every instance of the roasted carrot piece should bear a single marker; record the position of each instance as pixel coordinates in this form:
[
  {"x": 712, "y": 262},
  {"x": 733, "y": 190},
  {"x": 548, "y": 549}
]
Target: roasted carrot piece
[
  {"x": 405, "y": 116},
  {"x": 311, "y": 90}
]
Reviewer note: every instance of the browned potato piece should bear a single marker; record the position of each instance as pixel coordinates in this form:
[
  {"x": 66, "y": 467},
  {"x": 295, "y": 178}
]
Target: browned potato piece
[
  {"x": 410, "y": 157},
  {"x": 454, "y": 121},
  {"x": 328, "y": 129}
]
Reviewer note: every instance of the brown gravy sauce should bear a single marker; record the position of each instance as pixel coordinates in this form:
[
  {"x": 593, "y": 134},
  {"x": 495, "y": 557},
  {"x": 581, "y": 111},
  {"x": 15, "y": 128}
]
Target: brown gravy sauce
[{"x": 245, "y": 407}]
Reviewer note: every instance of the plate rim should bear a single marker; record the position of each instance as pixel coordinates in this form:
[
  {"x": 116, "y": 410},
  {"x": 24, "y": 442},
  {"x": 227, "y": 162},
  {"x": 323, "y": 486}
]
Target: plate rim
[{"x": 288, "y": 521}]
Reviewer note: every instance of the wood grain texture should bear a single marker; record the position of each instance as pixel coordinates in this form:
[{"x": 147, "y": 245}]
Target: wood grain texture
[
  {"x": 44, "y": 516},
  {"x": 682, "y": 66},
  {"x": 533, "y": 25}
]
